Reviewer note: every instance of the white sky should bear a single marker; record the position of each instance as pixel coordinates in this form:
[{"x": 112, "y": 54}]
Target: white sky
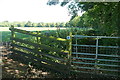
[{"x": 31, "y": 10}]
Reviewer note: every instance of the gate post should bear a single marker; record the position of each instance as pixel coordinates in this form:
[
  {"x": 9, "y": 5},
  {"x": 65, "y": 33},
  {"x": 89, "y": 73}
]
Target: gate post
[
  {"x": 12, "y": 35},
  {"x": 38, "y": 42},
  {"x": 96, "y": 57},
  {"x": 70, "y": 50}
]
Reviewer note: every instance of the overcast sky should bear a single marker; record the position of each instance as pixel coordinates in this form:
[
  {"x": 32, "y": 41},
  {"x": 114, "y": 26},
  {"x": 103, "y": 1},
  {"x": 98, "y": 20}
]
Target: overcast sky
[{"x": 32, "y": 10}]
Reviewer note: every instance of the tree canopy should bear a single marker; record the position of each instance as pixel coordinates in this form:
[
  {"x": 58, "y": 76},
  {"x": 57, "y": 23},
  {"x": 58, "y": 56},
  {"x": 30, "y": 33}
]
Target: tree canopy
[{"x": 102, "y": 16}]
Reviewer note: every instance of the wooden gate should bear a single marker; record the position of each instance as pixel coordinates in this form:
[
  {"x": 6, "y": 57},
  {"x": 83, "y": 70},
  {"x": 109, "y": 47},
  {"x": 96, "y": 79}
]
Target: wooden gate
[{"x": 41, "y": 54}]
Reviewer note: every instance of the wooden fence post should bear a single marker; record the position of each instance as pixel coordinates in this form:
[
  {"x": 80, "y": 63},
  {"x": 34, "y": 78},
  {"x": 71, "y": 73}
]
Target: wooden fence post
[
  {"x": 38, "y": 42},
  {"x": 69, "y": 49},
  {"x": 12, "y": 36}
]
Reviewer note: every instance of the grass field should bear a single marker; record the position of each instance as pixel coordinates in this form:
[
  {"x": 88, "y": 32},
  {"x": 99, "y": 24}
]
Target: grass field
[
  {"x": 5, "y": 37},
  {"x": 31, "y": 28},
  {"x": 5, "y": 32}
]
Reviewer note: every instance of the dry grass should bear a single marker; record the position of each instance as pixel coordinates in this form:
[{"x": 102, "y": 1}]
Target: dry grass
[{"x": 31, "y": 28}]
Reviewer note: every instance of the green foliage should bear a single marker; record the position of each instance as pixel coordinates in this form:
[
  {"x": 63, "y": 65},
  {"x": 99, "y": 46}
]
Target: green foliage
[{"x": 102, "y": 16}]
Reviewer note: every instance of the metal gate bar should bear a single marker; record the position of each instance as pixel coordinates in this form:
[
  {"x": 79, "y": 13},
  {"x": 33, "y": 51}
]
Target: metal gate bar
[{"x": 104, "y": 58}]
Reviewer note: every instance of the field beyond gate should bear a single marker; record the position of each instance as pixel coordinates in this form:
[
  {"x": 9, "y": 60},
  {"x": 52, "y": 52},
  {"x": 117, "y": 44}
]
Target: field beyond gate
[{"x": 73, "y": 57}]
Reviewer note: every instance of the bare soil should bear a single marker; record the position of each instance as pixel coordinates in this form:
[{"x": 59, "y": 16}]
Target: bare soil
[{"x": 15, "y": 69}]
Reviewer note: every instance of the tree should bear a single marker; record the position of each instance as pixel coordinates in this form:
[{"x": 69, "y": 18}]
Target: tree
[
  {"x": 28, "y": 24},
  {"x": 19, "y": 25},
  {"x": 103, "y": 16}
]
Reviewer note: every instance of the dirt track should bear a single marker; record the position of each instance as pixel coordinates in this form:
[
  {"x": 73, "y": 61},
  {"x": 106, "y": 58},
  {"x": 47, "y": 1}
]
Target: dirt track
[{"x": 15, "y": 69}]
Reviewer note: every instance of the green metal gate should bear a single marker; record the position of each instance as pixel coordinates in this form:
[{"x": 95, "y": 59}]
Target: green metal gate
[{"x": 96, "y": 55}]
